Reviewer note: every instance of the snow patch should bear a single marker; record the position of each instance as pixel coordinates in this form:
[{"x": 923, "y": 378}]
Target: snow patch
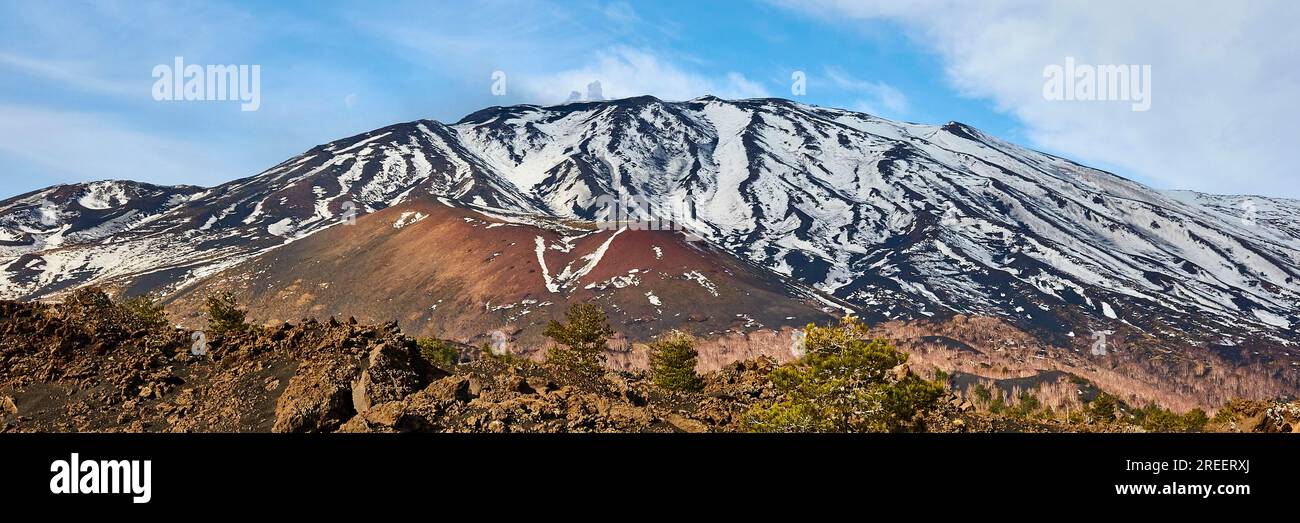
[
  {"x": 703, "y": 281},
  {"x": 409, "y": 217},
  {"x": 103, "y": 195},
  {"x": 1108, "y": 311},
  {"x": 281, "y": 228},
  {"x": 1271, "y": 319}
]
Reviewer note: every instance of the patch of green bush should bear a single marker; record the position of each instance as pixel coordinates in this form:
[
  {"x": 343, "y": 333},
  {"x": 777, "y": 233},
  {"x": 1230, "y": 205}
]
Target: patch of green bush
[
  {"x": 581, "y": 338},
  {"x": 1027, "y": 405},
  {"x": 144, "y": 312},
  {"x": 438, "y": 352},
  {"x": 1154, "y": 418},
  {"x": 224, "y": 314},
  {"x": 846, "y": 382},
  {"x": 672, "y": 362},
  {"x": 1102, "y": 408}
]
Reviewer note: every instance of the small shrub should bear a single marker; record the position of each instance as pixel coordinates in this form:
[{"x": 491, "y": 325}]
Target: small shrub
[
  {"x": 672, "y": 363},
  {"x": 1232, "y": 409},
  {"x": 438, "y": 352},
  {"x": 506, "y": 357},
  {"x": 1158, "y": 419},
  {"x": 1027, "y": 405},
  {"x": 845, "y": 383},
  {"x": 582, "y": 338},
  {"x": 145, "y": 312},
  {"x": 1103, "y": 407},
  {"x": 224, "y": 314},
  {"x": 998, "y": 405},
  {"x": 1195, "y": 420}
]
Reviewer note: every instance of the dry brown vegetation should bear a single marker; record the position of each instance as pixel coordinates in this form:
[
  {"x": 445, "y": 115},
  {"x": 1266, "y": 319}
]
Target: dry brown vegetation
[{"x": 997, "y": 352}]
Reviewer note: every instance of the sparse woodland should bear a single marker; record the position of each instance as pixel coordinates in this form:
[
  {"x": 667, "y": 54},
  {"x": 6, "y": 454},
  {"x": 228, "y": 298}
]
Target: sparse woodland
[{"x": 120, "y": 366}]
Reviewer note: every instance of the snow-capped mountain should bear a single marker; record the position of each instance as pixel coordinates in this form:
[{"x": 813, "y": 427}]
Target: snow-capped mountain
[
  {"x": 37, "y": 228},
  {"x": 81, "y": 213},
  {"x": 900, "y": 220}
]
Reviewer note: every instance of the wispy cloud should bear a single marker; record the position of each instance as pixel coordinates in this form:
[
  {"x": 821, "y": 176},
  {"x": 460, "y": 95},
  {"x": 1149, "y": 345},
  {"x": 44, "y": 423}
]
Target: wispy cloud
[
  {"x": 1223, "y": 115},
  {"x": 878, "y": 97},
  {"x": 632, "y": 72},
  {"x": 549, "y": 50},
  {"x": 621, "y": 12},
  {"x": 86, "y": 146},
  {"x": 76, "y": 75}
]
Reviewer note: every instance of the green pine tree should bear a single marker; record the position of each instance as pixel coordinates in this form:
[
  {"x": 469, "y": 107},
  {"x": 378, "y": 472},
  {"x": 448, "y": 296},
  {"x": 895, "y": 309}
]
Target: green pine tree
[
  {"x": 438, "y": 352},
  {"x": 672, "y": 362},
  {"x": 846, "y": 382},
  {"x": 1103, "y": 407},
  {"x": 144, "y": 312},
  {"x": 582, "y": 338},
  {"x": 224, "y": 314}
]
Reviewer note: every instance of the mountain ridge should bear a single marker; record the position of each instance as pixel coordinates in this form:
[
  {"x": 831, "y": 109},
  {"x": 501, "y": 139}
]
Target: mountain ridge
[{"x": 902, "y": 220}]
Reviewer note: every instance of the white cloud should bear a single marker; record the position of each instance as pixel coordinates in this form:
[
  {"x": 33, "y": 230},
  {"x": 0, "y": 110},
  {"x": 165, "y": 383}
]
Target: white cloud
[
  {"x": 881, "y": 98},
  {"x": 85, "y": 146},
  {"x": 77, "y": 75},
  {"x": 621, "y": 12},
  {"x": 625, "y": 72},
  {"x": 550, "y": 49},
  {"x": 1223, "y": 115}
]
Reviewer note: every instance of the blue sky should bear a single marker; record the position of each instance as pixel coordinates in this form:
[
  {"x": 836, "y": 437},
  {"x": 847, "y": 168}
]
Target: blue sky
[{"x": 75, "y": 99}]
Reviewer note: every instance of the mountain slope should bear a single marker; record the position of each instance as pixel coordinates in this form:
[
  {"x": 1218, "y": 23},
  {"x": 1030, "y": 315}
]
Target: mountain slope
[
  {"x": 482, "y": 276},
  {"x": 41, "y": 231},
  {"x": 910, "y": 220},
  {"x": 900, "y": 220}
]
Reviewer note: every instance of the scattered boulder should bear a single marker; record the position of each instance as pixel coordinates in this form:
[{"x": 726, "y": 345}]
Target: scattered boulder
[
  {"x": 685, "y": 424},
  {"x": 454, "y": 389},
  {"x": 390, "y": 375},
  {"x": 318, "y": 398}
]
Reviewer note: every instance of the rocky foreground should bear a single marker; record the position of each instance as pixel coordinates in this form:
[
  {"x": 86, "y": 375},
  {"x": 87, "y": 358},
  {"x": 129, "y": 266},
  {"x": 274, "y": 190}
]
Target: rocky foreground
[{"x": 90, "y": 365}]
